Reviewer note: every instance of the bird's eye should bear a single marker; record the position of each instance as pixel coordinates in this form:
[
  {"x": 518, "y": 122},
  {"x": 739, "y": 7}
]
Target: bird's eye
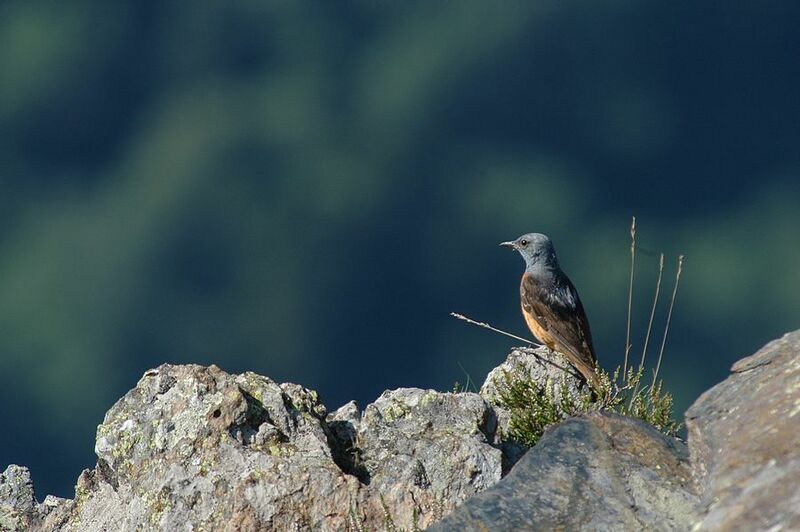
[{"x": 523, "y": 242}]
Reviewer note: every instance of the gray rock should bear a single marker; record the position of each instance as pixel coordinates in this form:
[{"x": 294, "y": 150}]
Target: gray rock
[
  {"x": 594, "y": 472},
  {"x": 17, "y": 502},
  {"x": 743, "y": 439},
  {"x": 427, "y": 451},
  {"x": 194, "y": 448},
  {"x": 19, "y": 510},
  {"x": 343, "y": 425}
]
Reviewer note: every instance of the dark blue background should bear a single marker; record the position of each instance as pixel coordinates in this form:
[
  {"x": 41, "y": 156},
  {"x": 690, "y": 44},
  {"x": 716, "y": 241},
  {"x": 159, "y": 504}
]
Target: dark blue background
[{"x": 307, "y": 189}]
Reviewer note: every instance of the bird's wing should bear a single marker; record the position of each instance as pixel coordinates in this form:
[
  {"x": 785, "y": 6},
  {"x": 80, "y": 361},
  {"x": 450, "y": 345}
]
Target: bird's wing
[{"x": 559, "y": 311}]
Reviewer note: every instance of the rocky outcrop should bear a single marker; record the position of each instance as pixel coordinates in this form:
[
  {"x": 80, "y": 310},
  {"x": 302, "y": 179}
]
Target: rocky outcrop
[
  {"x": 19, "y": 510},
  {"x": 195, "y": 445},
  {"x": 195, "y": 448},
  {"x": 744, "y": 439},
  {"x": 603, "y": 472}
]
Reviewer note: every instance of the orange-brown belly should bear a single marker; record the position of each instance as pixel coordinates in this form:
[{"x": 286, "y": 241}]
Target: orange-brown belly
[{"x": 538, "y": 331}]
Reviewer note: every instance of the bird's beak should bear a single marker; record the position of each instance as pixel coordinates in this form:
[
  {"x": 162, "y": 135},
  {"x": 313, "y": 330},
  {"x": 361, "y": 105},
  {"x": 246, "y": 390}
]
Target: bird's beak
[{"x": 511, "y": 245}]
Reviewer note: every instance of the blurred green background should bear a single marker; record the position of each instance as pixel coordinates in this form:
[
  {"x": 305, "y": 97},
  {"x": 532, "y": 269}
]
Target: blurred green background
[{"x": 307, "y": 189}]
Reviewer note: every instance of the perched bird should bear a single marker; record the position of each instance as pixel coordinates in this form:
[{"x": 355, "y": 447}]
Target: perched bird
[{"x": 551, "y": 306}]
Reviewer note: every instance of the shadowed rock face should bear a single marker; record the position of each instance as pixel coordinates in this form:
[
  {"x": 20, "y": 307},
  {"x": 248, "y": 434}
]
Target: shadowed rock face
[
  {"x": 744, "y": 438},
  {"x": 193, "y": 447},
  {"x": 594, "y": 472}
]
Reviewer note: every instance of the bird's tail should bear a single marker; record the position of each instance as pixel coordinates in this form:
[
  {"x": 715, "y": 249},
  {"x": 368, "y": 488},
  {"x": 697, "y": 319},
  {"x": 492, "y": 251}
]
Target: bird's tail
[{"x": 589, "y": 373}]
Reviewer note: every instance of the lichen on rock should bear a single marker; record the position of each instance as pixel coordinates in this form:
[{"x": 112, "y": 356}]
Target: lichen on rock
[{"x": 196, "y": 448}]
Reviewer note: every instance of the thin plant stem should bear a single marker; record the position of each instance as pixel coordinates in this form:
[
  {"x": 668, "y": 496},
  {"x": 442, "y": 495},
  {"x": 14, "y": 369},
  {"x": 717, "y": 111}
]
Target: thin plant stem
[
  {"x": 504, "y": 333},
  {"x": 630, "y": 299},
  {"x": 469, "y": 379},
  {"x": 649, "y": 325},
  {"x": 487, "y": 326},
  {"x": 669, "y": 318},
  {"x": 653, "y": 309}
]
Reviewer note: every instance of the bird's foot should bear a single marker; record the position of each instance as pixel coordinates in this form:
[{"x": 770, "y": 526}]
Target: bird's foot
[{"x": 532, "y": 347}]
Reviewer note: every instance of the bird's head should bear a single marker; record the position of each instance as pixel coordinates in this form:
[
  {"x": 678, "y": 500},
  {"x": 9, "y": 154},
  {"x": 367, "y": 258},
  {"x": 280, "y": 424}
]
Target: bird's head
[{"x": 535, "y": 248}]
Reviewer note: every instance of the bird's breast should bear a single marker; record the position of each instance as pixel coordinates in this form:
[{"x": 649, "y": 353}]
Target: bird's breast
[{"x": 538, "y": 329}]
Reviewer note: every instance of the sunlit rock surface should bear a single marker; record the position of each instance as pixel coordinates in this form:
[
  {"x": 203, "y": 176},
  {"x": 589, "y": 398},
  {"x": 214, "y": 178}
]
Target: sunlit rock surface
[
  {"x": 196, "y": 448},
  {"x": 744, "y": 439}
]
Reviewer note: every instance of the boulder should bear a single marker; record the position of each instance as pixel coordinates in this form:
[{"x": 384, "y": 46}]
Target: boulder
[
  {"x": 598, "y": 471},
  {"x": 744, "y": 440},
  {"x": 195, "y": 447}
]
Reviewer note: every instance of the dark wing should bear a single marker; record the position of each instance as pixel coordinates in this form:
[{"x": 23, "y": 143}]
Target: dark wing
[{"x": 558, "y": 309}]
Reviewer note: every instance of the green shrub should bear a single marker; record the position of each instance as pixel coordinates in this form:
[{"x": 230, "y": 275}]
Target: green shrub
[{"x": 533, "y": 406}]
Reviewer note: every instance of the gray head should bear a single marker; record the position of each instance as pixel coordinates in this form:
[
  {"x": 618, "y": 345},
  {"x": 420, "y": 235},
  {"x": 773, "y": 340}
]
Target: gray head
[{"x": 536, "y": 249}]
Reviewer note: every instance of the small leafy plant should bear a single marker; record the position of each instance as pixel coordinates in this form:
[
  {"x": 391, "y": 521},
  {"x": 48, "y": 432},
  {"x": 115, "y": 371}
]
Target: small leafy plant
[{"x": 534, "y": 406}]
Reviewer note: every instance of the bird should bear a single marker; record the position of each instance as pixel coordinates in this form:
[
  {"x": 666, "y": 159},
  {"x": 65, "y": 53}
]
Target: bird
[{"x": 551, "y": 306}]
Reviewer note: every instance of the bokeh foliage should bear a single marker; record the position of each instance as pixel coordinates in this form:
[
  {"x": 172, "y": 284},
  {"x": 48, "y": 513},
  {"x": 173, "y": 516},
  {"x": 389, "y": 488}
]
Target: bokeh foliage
[{"x": 307, "y": 189}]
